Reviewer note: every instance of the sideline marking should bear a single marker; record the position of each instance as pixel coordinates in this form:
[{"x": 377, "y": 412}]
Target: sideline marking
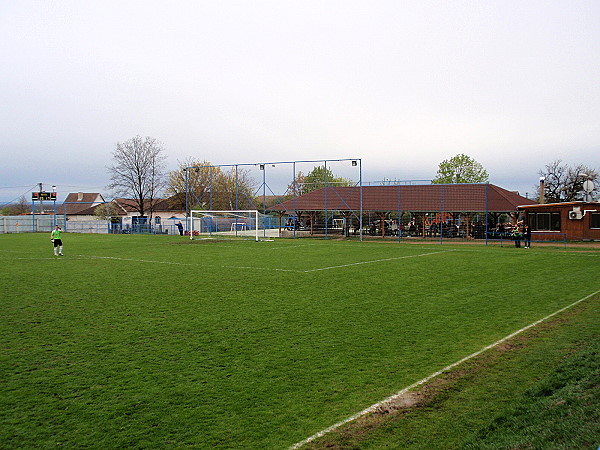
[
  {"x": 374, "y": 261},
  {"x": 391, "y": 398}
]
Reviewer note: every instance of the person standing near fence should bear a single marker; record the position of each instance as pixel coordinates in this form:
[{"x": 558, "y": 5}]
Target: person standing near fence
[
  {"x": 180, "y": 228},
  {"x": 527, "y": 236},
  {"x": 57, "y": 241},
  {"x": 518, "y": 235}
]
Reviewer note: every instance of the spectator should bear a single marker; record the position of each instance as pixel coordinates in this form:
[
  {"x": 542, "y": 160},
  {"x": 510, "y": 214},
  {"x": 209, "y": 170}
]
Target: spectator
[
  {"x": 518, "y": 235},
  {"x": 527, "y": 236}
]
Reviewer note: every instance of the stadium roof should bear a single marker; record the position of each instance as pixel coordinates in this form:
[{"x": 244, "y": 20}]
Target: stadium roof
[{"x": 415, "y": 198}]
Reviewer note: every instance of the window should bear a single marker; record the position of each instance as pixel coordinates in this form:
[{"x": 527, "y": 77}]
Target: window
[
  {"x": 545, "y": 221},
  {"x": 555, "y": 221},
  {"x": 595, "y": 220},
  {"x": 542, "y": 221}
]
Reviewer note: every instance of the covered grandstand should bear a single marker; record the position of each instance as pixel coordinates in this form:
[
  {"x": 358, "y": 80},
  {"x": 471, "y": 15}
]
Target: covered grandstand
[{"x": 433, "y": 210}]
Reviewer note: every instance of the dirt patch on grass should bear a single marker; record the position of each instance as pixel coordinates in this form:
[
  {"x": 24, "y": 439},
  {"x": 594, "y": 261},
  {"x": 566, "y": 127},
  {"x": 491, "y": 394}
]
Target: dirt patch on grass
[{"x": 434, "y": 391}]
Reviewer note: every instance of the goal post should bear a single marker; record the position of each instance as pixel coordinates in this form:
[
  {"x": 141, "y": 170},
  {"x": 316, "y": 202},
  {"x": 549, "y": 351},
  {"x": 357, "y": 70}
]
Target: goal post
[{"x": 248, "y": 224}]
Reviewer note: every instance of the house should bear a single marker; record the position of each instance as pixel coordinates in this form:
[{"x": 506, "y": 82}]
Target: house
[
  {"x": 161, "y": 208},
  {"x": 164, "y": 215},
  {"x": 80, "y": 213},
  {"x": 80, "y": 206},
  {"x": 571, "y": 221}
]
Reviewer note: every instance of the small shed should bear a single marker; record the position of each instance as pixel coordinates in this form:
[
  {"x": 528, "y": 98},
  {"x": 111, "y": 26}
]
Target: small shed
[{"x": 573, "y": 221}]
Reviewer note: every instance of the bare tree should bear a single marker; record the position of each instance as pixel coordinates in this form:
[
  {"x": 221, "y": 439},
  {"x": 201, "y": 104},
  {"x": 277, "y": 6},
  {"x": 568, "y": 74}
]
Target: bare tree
[
  {"x": 22, "y": 206},
  {"x": 138, "y": 171},
  {"x": 563, "y": 183}
]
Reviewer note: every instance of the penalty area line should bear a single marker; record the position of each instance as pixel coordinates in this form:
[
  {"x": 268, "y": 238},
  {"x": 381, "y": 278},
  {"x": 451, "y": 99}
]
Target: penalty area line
[
  {"x": 398, "y": 394},
  {"x": 174, "y": 263},
  {"x": 375, "y": 261},
  {"x": 115, "y": 258}
]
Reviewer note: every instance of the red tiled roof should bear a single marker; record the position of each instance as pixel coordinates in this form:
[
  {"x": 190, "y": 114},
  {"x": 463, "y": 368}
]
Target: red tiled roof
[
  {"x": 81, "y": 203},
  {"x": 431, "y": 197},
  {"x": 160, "y": 204}
]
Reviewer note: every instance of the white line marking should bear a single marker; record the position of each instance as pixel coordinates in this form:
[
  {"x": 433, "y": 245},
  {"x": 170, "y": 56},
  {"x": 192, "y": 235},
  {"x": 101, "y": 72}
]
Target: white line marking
[
  {"x": 374, "y": 407},
  {"x": 285, "y": 247},
  {"x": 185, "y": 264},
  {"x": 136, "y": 260},
  {"x": 274, "y": 269},
  {"x": 374, "y": 261}
]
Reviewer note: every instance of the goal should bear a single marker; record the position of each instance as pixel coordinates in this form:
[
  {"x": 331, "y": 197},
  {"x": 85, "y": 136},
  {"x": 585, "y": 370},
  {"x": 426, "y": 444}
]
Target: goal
[{"x": 249, "y": 224}]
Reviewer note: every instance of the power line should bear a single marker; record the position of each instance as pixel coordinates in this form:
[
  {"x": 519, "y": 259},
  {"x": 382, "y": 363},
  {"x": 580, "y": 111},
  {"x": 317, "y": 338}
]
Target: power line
[
  {"x": 17, "y": 187},
  {"x": 29, "y": 188}
]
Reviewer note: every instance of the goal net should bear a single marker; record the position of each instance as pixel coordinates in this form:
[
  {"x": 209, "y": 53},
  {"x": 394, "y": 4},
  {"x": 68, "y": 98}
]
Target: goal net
[{"x": 249, "y": 224}]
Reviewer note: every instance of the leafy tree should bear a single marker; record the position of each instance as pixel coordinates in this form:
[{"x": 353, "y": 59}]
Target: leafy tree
[
  {"x": 137, "y": 171},
  {"x": 564, "y": 183},
  {"x": 460, "y": 169},
  {"x": 317, "y": 178}
]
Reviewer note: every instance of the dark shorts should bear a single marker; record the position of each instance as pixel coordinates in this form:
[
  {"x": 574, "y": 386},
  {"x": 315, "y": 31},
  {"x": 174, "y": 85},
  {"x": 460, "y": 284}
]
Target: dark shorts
[{"x": 57, "y": 242}]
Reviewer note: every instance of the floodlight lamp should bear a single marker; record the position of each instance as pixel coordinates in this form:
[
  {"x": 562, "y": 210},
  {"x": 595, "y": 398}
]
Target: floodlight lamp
[
  {"x": 542, "y": 179},
  {"x": 354, "y": 163},
  {"x": 261, "y": 167},
  {"x": 53, "y": 188}
]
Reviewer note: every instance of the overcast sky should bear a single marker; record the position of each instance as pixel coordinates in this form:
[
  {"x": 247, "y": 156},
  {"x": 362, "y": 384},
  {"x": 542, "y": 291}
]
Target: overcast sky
[{"x": 402, "y": 85}]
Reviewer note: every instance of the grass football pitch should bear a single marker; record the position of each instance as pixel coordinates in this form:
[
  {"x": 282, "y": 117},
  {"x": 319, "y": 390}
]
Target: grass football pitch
[{"x": 158, "y": 341}]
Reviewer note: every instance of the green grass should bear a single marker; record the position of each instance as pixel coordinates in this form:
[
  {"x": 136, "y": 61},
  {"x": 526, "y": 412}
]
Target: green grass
[
  {"x": 153, "y": 341},
  {"x": 538, "y": 390}
]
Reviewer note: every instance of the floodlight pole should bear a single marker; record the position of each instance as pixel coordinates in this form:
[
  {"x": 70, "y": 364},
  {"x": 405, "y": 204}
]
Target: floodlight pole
[
  {"x": 295, "y": 195},
  {"x": 442, "y": 214},
  {"x": 237, "y": 193},
  {"x": 361, "y": 198},
  {"x": 187, "y": 220},
  {"x": 325, "y": 194},
  {"x": 210, "y": 193},
  {"x": 54, "y": 190},
  {"x": 487, "y": 186},
  {"x": 264, "y": 186}
]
